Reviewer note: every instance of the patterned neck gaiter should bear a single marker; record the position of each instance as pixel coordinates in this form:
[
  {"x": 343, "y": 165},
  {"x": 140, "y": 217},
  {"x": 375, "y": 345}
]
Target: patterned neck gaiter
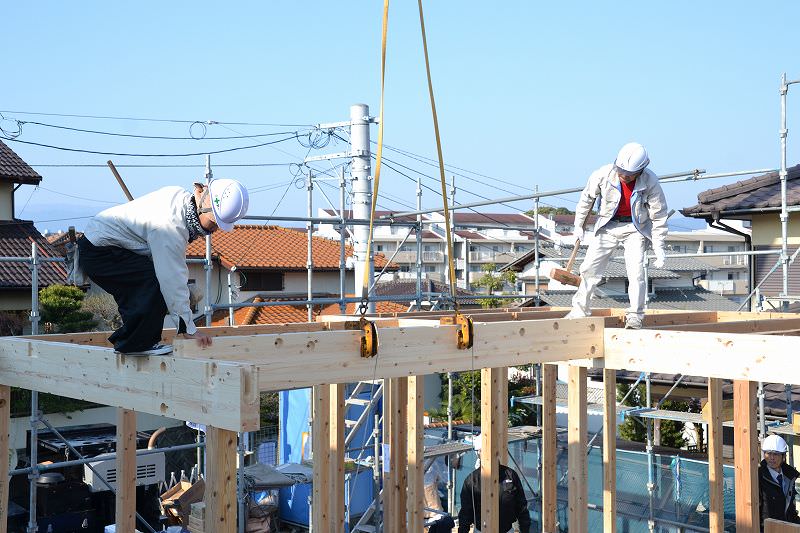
[{"x": 192, "y": 221}]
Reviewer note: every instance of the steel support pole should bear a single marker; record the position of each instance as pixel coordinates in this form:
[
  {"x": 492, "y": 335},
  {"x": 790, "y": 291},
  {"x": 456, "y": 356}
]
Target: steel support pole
[
  {"x": 418, "y": 231},
  {"x": 33, "y": 526},
  {"x": 361, "y": 172},
  {"x": 536, "y": 259},
  {"x": 207, "y": 266},
  {"x": 231, "y": 318},
  {"x": 309, "y": 253},
  {"x": 784, "y": 214},
  {"x": 342, "y": 232}
]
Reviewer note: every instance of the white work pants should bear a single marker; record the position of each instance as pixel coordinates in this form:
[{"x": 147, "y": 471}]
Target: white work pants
[{"x": 606, "y": 241}]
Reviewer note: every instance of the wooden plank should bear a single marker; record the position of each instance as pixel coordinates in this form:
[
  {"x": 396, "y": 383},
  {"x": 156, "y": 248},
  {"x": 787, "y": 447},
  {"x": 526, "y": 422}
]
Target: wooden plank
[
  {"x": 395, "y": 419},
  {"x": 490, "y": 450},
  {"x": 609, "y": 451},
  {"x": 501, "y": 414},
  {"x": 297, "y": 360},
  {"x": 549, "y": 448},
  {"x": 126, "y": 471},
  {"x": 320, "y": 441},
  {"x": 745, "y": 445},
  {"x": 220, "y": 490},
  {"x": 577, "y": 464},
  {"x": 336, "y": 458},
  {"x": 416, "y": 452},
  {"x": 716, "y": 355},
  {"x": 5, "y": 421},
  {"x": 771, "y": 325},
  {"x": 716, "y": 509},
  {"x": 776, "y": 526},
  {"x": 218, "y": 393}
]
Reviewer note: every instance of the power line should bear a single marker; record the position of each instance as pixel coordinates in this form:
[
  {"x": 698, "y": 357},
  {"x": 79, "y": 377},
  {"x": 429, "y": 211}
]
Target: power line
[
  {"x": 144, "y": 119},
  {"x": 160, "y": 137}
]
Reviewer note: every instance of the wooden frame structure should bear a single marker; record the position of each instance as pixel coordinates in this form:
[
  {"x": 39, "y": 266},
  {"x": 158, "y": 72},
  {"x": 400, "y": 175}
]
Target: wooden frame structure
[{"x": 219, "y": 386}]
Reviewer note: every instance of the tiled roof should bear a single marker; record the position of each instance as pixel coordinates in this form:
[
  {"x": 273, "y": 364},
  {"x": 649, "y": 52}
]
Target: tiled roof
[
  {"x": 492, "y": 218},
  {"x": 13, "y": 168},
  {"x": 15, "y": 241},
  {"x": 761, "y": 192},
  {"x": 273, "y": 247},
  {"x": 408, "y": 287},
  {"x": 673, "y": 299}
]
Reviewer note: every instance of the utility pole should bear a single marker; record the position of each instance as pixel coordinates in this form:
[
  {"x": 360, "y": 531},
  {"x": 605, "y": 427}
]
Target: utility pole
[{"x": 360, "y": 171}]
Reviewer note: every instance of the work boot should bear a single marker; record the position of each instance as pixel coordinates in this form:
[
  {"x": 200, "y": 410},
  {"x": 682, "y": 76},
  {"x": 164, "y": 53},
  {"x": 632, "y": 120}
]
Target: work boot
[
  {"x": 633, "y": 322},
  {"x": 156, "y": 349}
]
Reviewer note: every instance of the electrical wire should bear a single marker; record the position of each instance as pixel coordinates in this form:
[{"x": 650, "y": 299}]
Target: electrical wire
[
  {"x": 165, "y": 165},
  {"x": 178, "y": 121}
]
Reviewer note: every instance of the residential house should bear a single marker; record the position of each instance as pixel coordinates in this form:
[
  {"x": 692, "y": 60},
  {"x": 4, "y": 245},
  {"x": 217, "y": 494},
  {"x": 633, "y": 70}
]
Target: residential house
[{"x": 17, "y": 236}]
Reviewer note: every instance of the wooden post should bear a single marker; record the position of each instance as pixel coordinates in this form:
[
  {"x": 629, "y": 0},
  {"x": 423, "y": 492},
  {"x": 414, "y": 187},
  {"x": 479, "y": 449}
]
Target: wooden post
[
  {"x": 578, "y": 477},
  {"x": 125, "y": 516},
  {"x": 610, "y": 451},
  {"x": 716, "y": 510},
  {"x": 502, "y": 415},
  {"x": 320, "y": 442},
  {"x": 220, "y": 491},
  {"x": 5, "y": 421},
  {"x": 491, "y": 379},
  {"x": 395, "y": 399},
  {"x": 549, "y": 444},
  {"x": 336, "y": 458},
  {"x": 416, "y": 457},
  {"x": 745, "y": 445}
]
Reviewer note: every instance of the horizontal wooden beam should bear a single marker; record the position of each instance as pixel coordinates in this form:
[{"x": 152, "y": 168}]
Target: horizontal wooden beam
[
  {"x": 764, "y": 325},
  {"x": 716, "y": 355},
  {"x": 218, "y": 393},
  {"x": 296, "y": 360}
]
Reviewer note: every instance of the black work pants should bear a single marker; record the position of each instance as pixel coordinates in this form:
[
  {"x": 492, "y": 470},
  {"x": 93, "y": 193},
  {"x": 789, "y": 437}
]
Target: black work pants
[{"x": 131, "y": 279}]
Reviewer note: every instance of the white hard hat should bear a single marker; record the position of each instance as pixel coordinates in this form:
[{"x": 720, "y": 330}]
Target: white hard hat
[
  {"x": 229, "y": 202},
  {"x": 774, "y": 443},
  {"x": 632, "y": 158}
]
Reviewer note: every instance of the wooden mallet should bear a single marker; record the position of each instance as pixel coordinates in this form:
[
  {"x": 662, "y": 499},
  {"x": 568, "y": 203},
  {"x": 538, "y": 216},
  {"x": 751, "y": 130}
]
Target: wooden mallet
[{"x": 564, "y": 275}]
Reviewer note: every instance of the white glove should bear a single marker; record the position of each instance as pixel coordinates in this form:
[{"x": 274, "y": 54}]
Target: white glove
[
  {"x": 579, "y": 234},
  {"x": 661, "y": 256}
]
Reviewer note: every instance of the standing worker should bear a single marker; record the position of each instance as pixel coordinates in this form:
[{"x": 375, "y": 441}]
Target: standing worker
[
  {"x": 776, "y": 483},
  {"x": 632, "y": 210},
  {"x": 137, "y": 253}
]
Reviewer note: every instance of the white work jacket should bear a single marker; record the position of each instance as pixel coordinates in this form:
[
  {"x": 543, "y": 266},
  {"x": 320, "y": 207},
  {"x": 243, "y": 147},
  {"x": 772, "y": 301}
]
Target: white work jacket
[
  {"x": 153, "y": 225},
  {"x": 648, "y": 203}
]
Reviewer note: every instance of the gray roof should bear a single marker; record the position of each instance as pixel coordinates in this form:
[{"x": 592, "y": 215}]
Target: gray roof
[
  {"x": 13, "y": 168},
  {"x": 673, "y": 299},
  {"x": 760, "y": 193}
]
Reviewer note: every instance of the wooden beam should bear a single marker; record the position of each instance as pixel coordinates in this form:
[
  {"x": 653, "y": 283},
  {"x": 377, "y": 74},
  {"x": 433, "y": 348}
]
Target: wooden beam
[
  {"x": 416, "y": 453},
  {"x": 717, "y": 355},
  {"x": 320, "y": 442},
  {"x": 716, "y": 508},
  {"x": 745, "y": 445},
  {"x": 395, "y": 480},
  {"x": 762, "y": 325},
  {"x": 222, "y": 394},
  {"x": 609, "y": 451},
  {"x": 490, "y": 450},
  {"x": 776, "y": 526},
  {"x": 5, "y": 422},
  {"x": 220, "y": 490},
  {"x": 336, "y": 458},
  {"x": 549, "y": 451},
  {"x": 126, "y": 471},
  {"x": 577, "y": 465},
  {"x": 295, "y": 360}
]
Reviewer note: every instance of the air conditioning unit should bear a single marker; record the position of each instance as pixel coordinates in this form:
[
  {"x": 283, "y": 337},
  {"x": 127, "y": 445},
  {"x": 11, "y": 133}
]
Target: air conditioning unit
[{"x": 149, "y": 470}]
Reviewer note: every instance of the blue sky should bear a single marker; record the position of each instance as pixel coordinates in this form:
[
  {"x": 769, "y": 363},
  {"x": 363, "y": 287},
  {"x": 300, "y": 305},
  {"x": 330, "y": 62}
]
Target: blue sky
[{"x": 528, "y": 93}]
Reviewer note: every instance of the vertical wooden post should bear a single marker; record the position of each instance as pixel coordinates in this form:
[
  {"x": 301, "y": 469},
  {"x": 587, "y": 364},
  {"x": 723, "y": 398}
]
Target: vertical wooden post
[
  {"x": 578, "y": 478},
  {"x": 5, "y": 421},
  {"x": 320, "y": 442},
  {"x": 716, "y": 510},
  {"x": 395, "y": 398},
  {"x": 125, "y": 511},
  {"x": 609, "y": 451},
  {"x": 549, "y": 444},
  {"x": 336, "y": 458},
  {"x": 745, "y": 445},
  {"x": 220, "y": 492},
  {"x": 490, "y": 450},
  {"x": 502, "y": 415},
  {"x": 416, "y": 455}
]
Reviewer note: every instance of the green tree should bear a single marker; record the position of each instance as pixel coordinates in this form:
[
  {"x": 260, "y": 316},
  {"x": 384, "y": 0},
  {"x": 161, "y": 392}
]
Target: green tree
[
  {"x": 60, "y": 306},
  {"x": 493, "y": 282},
  {"x": 550, "y": 210},
  {"x": 634, "y": 427}
]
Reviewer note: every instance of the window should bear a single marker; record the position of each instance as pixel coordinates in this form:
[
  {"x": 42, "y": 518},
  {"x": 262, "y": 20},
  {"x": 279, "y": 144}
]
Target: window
[
  {"x": 430, "y": 268},
  {"x": 730, "y": 276},
  {"x": 405, "y": 268},
  {"x": 378, "y": 247},
  {"x": 259, "y": 280}
]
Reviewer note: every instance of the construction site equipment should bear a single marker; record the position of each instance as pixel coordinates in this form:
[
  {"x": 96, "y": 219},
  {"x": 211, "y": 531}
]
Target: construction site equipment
[{"x": 565, "y": 275}]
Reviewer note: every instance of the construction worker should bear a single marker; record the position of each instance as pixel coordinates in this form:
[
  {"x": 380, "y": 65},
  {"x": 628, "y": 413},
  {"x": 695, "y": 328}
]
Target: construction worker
[
  {"x": 137, "y": 253},
  {"x": 632, "y": 211},
  {"x": 776, "y": 483},
  {"x": 513, "y": 504}
]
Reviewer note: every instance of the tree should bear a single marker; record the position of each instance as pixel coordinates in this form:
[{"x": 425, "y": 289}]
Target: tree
[
  {"x": 634, "y": 427},
  {"x": 493, "y": 283},
  {"x": 61, "y": 307},
  {"x": 550, "y": 210},
  {"x": 104, "y": 310}
]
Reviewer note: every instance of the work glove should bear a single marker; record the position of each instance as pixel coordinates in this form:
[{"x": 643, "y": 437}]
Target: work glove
[
  {"x": 579, "y": 234},
  {"x": 661, "y": 257}
]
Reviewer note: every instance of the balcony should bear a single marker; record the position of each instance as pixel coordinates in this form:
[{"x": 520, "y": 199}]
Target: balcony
[
  {"x": 432, "y": 257},
  {"x": 486, "y": 256}
]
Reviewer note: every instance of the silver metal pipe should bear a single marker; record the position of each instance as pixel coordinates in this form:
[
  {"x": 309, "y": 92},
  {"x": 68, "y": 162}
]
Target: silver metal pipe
[
  {"x": 231, "y": 318},
  {"x": 418, "y": 230},
  {"x": 536, "y": 257},
  {"x": 33, "y": 526},
  {"x": 208, "y": 266},
  {"x": 331, "y": 220},
  {"x": 28, "y": 259},
  {"x": 783, "y": 174},
  {"x": 309, "y": 252},
  {"x": 342, "y": 231}
]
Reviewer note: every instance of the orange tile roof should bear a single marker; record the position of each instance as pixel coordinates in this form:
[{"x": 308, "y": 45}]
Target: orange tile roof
[{"x": 275, "y": 247}]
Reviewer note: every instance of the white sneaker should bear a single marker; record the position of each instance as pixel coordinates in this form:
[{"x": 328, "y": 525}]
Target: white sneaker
[
  {"x": 157, "y": 349},
  {"x": 633, "y": 322}
]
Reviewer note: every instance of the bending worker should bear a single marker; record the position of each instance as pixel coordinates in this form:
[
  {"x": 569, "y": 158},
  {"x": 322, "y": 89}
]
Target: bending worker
[
  {"x": 632, "y": 211},
  {"x": 776, "y": 483},
  {"x": 137, "y": 253},
  {"x": 513, "y": 504}
]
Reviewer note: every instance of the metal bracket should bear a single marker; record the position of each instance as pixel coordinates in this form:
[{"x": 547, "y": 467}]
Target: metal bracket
[
  {"x": 465, "y": 332},
  {"x": 369, "y": 339}
]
